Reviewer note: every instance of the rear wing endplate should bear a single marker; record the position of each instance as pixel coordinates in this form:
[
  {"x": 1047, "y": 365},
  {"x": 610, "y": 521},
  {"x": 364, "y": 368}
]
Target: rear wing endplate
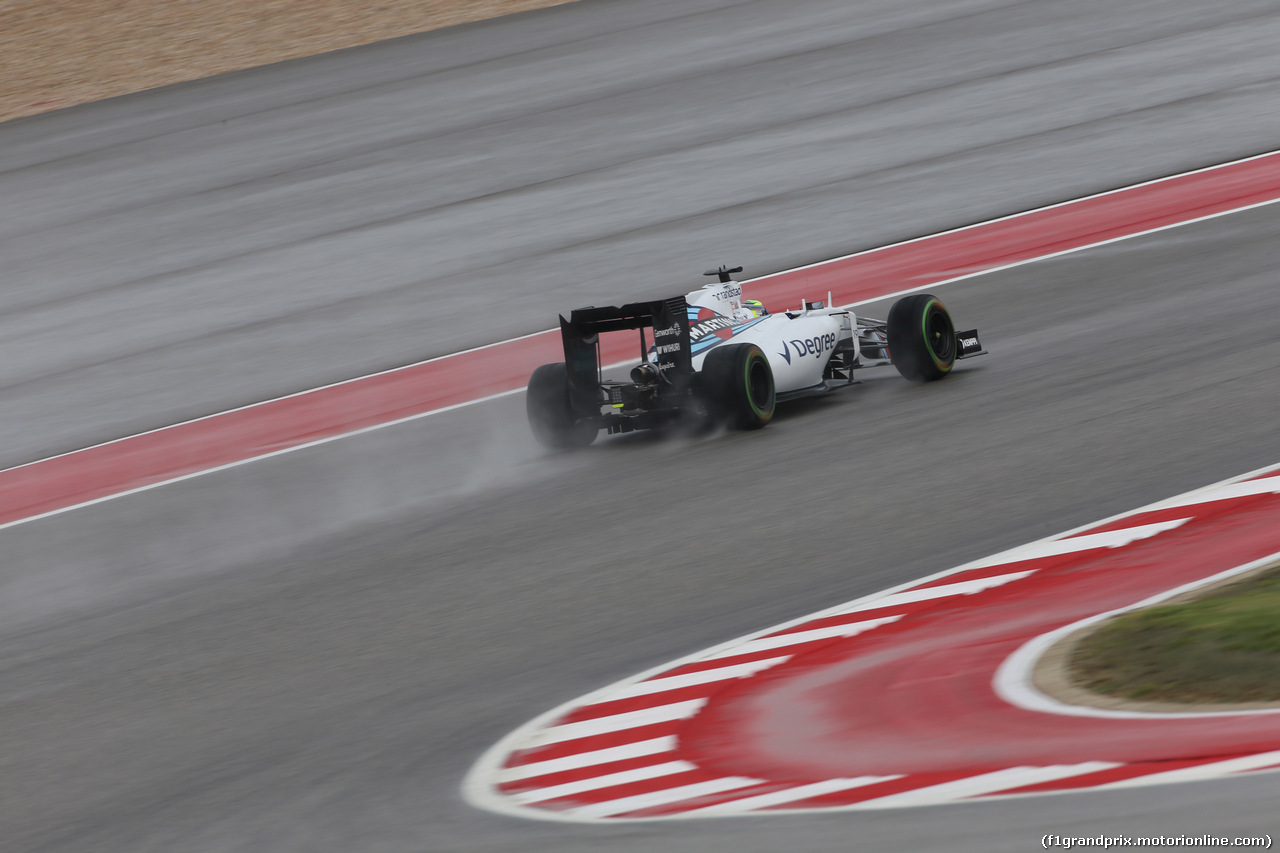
[{"x": 580, "y": 334}]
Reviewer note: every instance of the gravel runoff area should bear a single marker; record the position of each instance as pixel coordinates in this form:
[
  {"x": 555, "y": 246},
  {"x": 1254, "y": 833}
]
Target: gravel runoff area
[{"x": 55, "y": 55}]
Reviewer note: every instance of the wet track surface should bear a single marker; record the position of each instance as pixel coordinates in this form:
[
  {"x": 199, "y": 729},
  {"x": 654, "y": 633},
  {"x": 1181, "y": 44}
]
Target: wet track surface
[{"x": 308, "y": 652}]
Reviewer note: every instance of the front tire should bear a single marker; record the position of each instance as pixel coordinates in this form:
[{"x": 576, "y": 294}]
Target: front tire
[
  {"x": 552, "y": 418},
  {"x": 922, "y": 338},
  {"x": 738, "y": 384}
]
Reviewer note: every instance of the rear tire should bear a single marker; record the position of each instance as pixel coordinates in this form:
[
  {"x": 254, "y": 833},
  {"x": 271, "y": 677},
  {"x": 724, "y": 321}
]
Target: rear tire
[
  {"x": 922, "y": 338},
  {"x": 738, "y": 384},
  {"x": 551, "y": 415}
]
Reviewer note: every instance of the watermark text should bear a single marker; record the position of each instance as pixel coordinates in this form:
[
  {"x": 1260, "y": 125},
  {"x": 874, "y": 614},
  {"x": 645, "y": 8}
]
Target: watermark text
[{"x": 1107, "y": 842}]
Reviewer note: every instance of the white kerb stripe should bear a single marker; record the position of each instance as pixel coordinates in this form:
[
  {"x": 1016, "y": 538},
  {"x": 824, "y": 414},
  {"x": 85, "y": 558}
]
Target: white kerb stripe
[
  {"x": 911, "y": 596},
  {"x": 639, "y": 749},
  {"x": 663, "y": 797},
  {"x": 1201, "y": 771},
  {"x": 692, "y": 679},
  {"x": 795, "y": 638},
  {"x": 623, "y": 777},
  {"x": 617, "y": 722},
  {"x": 1245, "y": 489},
  {"x": 790, "y": 795},
  {"x": 986, "y": 783},
  {"x": 1075, "y": 544}
]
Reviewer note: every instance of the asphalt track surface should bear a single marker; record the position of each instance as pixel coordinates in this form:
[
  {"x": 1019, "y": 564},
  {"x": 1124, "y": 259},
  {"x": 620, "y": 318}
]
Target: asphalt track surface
[{"x": 309, "y": 652}]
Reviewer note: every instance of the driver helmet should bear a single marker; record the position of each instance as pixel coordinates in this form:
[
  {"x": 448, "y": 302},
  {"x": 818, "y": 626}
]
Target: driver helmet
[{"x": 754, "y": 307}]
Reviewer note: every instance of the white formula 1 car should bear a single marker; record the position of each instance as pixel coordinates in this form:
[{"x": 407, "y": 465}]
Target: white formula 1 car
[{"x": 716, "y": 359}]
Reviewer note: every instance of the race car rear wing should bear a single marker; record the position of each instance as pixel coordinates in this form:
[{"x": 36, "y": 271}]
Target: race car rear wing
[{"x": 580, "y": 334}]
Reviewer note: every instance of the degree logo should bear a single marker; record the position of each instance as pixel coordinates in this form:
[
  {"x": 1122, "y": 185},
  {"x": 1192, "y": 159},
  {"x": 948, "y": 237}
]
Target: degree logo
[{"x": 814, "y": 346}]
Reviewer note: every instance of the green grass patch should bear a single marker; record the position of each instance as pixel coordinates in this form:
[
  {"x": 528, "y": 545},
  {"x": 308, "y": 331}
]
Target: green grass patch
[{"x": 1222, "y": 647}]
